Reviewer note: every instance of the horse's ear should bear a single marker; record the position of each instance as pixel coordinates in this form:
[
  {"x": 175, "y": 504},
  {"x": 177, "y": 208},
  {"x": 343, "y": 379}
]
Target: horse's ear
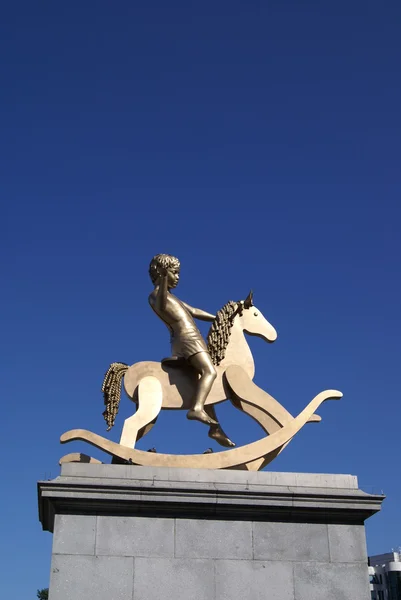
[{"x": 249, "y": 300}]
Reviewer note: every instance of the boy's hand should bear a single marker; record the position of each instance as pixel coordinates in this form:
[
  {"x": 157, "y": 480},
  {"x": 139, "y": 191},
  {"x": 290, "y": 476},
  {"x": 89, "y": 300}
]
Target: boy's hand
[{"x": 163, "y": 271}]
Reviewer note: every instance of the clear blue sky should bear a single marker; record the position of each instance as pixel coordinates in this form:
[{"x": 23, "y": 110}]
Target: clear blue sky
[{"x": 257, "y": 141}]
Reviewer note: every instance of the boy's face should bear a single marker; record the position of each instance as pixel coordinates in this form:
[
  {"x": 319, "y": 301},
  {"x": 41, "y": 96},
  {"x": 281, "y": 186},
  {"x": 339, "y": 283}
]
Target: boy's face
[{"x": 173, "y": 276}]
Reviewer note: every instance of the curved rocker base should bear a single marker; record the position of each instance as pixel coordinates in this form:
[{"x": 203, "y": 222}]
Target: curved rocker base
[
  {"x": 266, "y": 448},
  {"x": 78, "y": 457}
]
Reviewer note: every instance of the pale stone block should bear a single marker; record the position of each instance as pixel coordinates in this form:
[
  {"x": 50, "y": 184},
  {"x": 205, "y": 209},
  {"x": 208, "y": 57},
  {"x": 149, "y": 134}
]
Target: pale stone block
[
  {"x": 173, "y": 579},
  {"x": 314, "y": 581},
  {"x": 291, "y": 541},
  {"x": 135, "y": 536},
  {"x": 197, "y": 538},
  {"x": 347, "y": 543},
  {"x": 91, "y": 577},
  {"x": 253, "y": 580},
  {"x": 231, "y": 477},
  {"x": 74, "y": 534}
]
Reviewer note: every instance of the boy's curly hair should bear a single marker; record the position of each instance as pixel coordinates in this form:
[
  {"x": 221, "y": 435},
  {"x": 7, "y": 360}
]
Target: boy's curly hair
[{"x": 163, "y": 260}]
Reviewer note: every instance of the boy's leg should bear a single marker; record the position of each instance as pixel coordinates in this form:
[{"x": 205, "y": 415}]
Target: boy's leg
[
  {"x": 216, "y": 432},
  {"x": 202, "y": 363}
]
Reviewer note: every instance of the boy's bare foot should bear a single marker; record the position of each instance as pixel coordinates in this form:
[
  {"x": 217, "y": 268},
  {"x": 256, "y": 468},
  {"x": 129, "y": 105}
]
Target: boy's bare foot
[
  {"x": 197, "y": 414},
  {"x": 216, "y": 433}
]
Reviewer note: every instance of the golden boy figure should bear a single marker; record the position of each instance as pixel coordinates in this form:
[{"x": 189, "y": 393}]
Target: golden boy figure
[{"x": 187, "y": 342}]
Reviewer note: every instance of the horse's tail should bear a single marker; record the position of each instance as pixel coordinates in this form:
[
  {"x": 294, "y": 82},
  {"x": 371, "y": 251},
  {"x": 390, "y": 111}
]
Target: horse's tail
[{"x": 111, "y": 389}]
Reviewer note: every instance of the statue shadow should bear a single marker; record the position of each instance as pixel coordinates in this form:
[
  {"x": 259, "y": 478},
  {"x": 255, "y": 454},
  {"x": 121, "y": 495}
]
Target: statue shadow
[{"x": 183, "y": 377}]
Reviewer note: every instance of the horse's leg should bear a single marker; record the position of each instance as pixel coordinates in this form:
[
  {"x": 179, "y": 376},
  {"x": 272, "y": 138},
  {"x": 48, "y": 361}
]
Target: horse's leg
[
  {"x": 150, "y": 399},
  {"x": 248, "y": 392},
  {"x": 215, "y": 431},
  {"x": 259, "y": 405},
  {"x": 250, "y": 404},
  {"x": 268, "y": 424}
]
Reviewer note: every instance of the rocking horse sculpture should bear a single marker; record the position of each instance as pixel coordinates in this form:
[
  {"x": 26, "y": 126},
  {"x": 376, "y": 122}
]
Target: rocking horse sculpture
[{"x": 194, "y": 378}]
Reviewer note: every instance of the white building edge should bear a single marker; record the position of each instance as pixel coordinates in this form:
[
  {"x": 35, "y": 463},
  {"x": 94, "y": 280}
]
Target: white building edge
[{"x": 385, "y": 576}]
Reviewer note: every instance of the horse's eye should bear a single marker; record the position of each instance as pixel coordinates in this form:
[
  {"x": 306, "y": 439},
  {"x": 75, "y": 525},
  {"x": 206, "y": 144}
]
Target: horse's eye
[{"x": 256, "y": 314}]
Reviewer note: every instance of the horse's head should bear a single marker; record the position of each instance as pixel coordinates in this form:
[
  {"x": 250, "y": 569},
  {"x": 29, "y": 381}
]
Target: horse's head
[{"x": 253, "y": 322}]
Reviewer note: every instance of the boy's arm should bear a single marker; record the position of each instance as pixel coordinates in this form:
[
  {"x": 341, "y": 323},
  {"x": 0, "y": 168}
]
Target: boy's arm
[
  {"x": 161, "y": 296},
  {"x": 197, "y": 313}
]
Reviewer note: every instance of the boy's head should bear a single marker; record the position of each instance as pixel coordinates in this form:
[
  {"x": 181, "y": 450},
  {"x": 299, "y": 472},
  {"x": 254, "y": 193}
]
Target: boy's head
[{"x": 168, "y": 262}]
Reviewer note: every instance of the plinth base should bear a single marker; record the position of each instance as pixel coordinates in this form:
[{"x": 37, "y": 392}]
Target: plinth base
[{"x": 138, "y": 533}]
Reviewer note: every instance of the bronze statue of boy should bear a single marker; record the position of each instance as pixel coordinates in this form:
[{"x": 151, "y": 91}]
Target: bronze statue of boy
[{"x": 187, "y": 342}]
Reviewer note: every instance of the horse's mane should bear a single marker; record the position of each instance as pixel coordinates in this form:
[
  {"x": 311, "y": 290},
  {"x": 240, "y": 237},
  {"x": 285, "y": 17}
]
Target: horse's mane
[{"x": 219, "y": 333}]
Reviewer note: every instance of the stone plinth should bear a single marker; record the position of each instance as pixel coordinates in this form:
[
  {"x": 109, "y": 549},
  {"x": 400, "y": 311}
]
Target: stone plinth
[{"x": 136, "y": 533}]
